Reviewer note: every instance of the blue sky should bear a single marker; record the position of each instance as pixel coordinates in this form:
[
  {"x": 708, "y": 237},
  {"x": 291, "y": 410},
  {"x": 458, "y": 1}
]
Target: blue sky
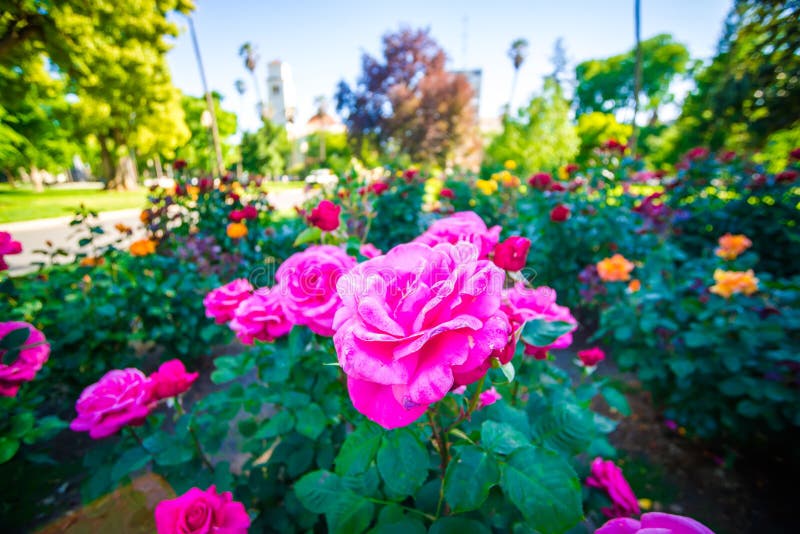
[{"x": 323, "y": 40}]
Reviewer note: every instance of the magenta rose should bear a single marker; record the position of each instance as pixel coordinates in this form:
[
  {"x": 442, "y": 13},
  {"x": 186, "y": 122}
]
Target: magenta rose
[
  {"x": 325, "y": 216},
  {"x": 261, "y": 317},
  {"x": 652, "y": 523},
  {"x": 7, "y": 247},
  {"x": 171, "y": 380},
  {"x": 607, "y": 476},
  {"x": 29, "y": 356},
  {"x": 307, "y": 285},
  {"x": 369, "y": 251},
  {"x": 525, "y": 304},
  {"x": 202, "y": 512},
  {"x": 122, "y": 397},
  {"x": 512, "y": 253},
  {"x": 489, "y": 397},
  {"x": 221, "y": 303},
  {"x": 591, "y": 357},
  {"x": 413, "y": 324},
  {"x": 462, "y": 226}
]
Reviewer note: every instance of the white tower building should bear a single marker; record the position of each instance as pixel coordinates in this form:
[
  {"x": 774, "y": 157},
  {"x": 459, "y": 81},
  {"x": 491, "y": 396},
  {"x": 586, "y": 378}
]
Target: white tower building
[{"x": 281, "y": 96}]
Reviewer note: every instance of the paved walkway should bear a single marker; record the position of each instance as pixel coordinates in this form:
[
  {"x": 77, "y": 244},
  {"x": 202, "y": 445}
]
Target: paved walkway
[{"x": 34, "y": 235}]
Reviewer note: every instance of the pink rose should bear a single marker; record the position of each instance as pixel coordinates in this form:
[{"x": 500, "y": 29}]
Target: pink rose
[
  {"x": 202, "y": 512},
  {"x": 591, "y": 357},
  {"x": 325, "y": 216},
  {"x": 489, "y": 397},
  {"x": 654, "y": 522},
  {"x": 369, "y": 251},
  {"x": 307, "y": 282},
  {"x": 120, "y": 398},
  {"x": 413, "y": 324},
  {"x": 460, "y": 390},
  {"x": 25, "y": 363},
  {"x": 261, "y": 317},
  {"x": 171, "y": 380},
  {"x": 512, "y": 253},
  {"x": 7, "y": 247},
  {"x": 221, "y": 303},
  {"x": 524, "y": 304},
  {"x": 462, "y": 226},
  {"x": 607, "y": 476}
]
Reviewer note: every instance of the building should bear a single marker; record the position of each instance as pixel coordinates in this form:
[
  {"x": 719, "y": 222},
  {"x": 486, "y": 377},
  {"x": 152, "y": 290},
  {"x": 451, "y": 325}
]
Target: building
[{"x": 281, "y": 95}]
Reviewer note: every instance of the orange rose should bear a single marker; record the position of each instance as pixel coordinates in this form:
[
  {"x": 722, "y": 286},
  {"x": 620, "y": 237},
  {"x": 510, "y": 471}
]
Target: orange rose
[
  {"x": 634, "y": 285},
  {"x": 89, "y": 261},
  {"x": 730, "y": 246},
  {"x": 730, "y": 282},
  {"x": 237, "y": 230},
  {"x": 144, "y": 216},
  {"x": 143, "y": 247},
  {"x": 615, "y": 269},
  {"x": 123, "y": 228}
]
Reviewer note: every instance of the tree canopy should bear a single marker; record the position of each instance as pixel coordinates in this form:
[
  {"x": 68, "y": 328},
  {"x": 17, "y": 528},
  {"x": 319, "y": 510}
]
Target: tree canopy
[
  {"x": 198, "y": 152},
  {"x": 266, "y": 151}
]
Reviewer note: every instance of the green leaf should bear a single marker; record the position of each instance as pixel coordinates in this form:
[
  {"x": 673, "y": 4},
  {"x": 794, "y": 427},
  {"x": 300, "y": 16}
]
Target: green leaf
[
  {"x": 406, "y": 525},
  {"x": 352, "y": 514},
  {"x": 130, "y": 461},
  {"x": 564, "y": 428},
  {"x": 458, "y": 525},
  {"x": 502, "y": 438},
  {"x": 12, "y": 344},
  {"x": 280, "y": 423},
  {"x": 541, "y": 333},
  {"x": 544, "y": 488},
  {"x": 308, "y": 235},
  {"x": 359, "y": 449},
  {"x": 323, "y": 492},
  {"x": 8, "y": 448},
  {"x": 402, "y": 461},
  {"x": 508, "y": 371},
  {"x": 469, "y": 477},
  {"x": 681, "y": 367},
  {"x": 696, "y": 339},
  {"x": 21, "y": 424},
  {"x": 748, "y": 408},
  {"x": 616, "y": 400},
  {"x": 311, "y": 421}
]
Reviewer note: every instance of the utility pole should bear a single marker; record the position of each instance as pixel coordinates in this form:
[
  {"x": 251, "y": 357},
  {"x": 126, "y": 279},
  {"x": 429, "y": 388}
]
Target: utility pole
[
  {"x": 209, "y": 100},
  {"x": 637, "y": 80}
]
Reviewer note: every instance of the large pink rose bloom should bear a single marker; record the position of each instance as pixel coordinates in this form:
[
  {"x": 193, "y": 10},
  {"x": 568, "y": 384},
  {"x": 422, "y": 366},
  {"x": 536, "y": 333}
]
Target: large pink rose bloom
[
  {"x": 413, "y": 324},
  {"x": 462, "y": 226},
  {"x": 221, "y": 303},
  {"x": 525, "y": 304},
  {"x": 654, "y": 523},
  {"x": 122, "y": 397},
  {"x": 202, "y": 512},
  {"x": 28, "y": 361},
  {"x": 261, "y": 317},
  {"x": 7, "y": 247},
  {"x": 607, "y": 476},
  {"x": 307, "y": 285}
]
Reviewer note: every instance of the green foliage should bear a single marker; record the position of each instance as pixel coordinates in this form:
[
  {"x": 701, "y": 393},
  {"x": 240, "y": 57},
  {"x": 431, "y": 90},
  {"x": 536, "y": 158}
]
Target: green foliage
[
  {"x": 267, "y": 151},
  {"x": 198, "y": 152},
  {"x": 596, "y": 128},
  {"x": 540, "y": 137}
]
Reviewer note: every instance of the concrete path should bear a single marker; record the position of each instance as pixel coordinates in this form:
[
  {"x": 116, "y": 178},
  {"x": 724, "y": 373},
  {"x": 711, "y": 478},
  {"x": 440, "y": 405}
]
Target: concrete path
[{"x": 34, "y": 235}]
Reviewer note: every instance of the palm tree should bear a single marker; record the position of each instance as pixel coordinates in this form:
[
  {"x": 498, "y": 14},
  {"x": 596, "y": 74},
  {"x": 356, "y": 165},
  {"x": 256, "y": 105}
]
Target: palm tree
[
  {"x": 517, "y": 53},
  {"x": 249, "y": 54}
]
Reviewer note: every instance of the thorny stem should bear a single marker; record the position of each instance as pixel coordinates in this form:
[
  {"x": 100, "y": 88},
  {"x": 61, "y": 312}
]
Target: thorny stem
[
  {"x": 137, "y": 438},
  {"x": 195, "y": 440},
  {"x": 441, "y": 444},
  {"x": 471, "y": 406},
  {"x": 407, "y": 508}
]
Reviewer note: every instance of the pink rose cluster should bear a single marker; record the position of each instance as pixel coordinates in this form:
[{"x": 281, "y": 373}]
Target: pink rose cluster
[
  {"x": 523, "y": 304},
  {"x": 30, "y": 355},
  {"x": 304, "y": 294},
  {"x": 125, "y": 397},
  {"x": 654, "y": 523},
  {"x": 417, "y": 322},
  {"x": 462, "y": 226},
  {"x": 8, "y": 247},
  {"x": 202, "y": 512},
  {"x": 605, "y": 475}
]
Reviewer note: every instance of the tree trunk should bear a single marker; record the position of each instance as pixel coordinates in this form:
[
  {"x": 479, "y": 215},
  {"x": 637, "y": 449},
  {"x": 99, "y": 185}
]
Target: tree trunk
[
  {"x": 10, "y": 177},
  {"x": 125, "y": 179},
  {"x": 107, "y": 162},
  {"x": 36, "y": 179},
  {"x": 159, "y": 170}
]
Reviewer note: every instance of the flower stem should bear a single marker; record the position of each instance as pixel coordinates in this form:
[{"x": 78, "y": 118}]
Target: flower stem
[
  {"x": 137, "y": 438},
  {"x": 473, "y": 403},
  {"x": 195, "y": 440}
]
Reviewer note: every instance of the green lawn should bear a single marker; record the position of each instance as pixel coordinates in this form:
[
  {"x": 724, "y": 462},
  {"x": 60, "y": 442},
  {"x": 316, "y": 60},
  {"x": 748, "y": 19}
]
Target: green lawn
[
  {"x": 282, "y": 186},
  {"x": 24, "y": 204}
]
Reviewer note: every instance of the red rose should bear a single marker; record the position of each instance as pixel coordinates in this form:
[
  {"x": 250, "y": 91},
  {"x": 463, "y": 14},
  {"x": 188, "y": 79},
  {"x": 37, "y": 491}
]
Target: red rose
[
  {"x": 447, "y": 193},
  {"x": 795, "y": 154},
  {"x": 612, "y": 145},
  {"x": 179, "y": 164},
  {"x": 560, "y": 213},
  {"x": 512, "y": 253},
  {"x": 236, "y": 216},
  {"x": 205, "y": 184},
  {"x": 571, "y": 168},
  {"x": 325, "y": 216},
  {"x": 378, "y": 187},
  {"x": 170, "y": 380},
  {"x": 728, "y": 156},
  {"x": 411, "y": 174},
  {"x": 557, "y": 187},
  {"x": 787, "y": 176},
  {"x": 591, "y": 357},
  {"x": 540, "y": 180},
  {"x": 697, "y": 153},
  {"x": 249, "y": 212}
]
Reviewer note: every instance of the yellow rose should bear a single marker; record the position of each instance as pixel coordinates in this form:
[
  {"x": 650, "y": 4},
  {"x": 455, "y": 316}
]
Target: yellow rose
[
  {"x": 730, "y": 282},
  {"x": 730, "y": 246},
  {"x": 510, "y": 164},
  {"x": 487, "y": 187}
]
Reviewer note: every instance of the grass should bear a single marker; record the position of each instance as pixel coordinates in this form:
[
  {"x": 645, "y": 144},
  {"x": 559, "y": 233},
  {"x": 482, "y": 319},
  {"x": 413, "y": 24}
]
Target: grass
[
  {"x": 24, "y": 204},
  {"x": 282, "y": 186}
]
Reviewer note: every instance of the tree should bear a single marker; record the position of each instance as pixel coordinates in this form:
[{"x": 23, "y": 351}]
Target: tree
[
  {"x": 406, "y": 103},
  {"x": 559, "y": 60},
  {"x": 250, "y": 56},
  {"x": 267, "y": 151},
  {"x": 596, "y": 128},
  {"x": 517, "y": 54},
  {"x": 541, "y": 137},
  {"x": 608, "y": 85},
  {"x": 198, "y": 152},
  {"x": 750, "y": 92},
  {"x": 111, "y": 58}
]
